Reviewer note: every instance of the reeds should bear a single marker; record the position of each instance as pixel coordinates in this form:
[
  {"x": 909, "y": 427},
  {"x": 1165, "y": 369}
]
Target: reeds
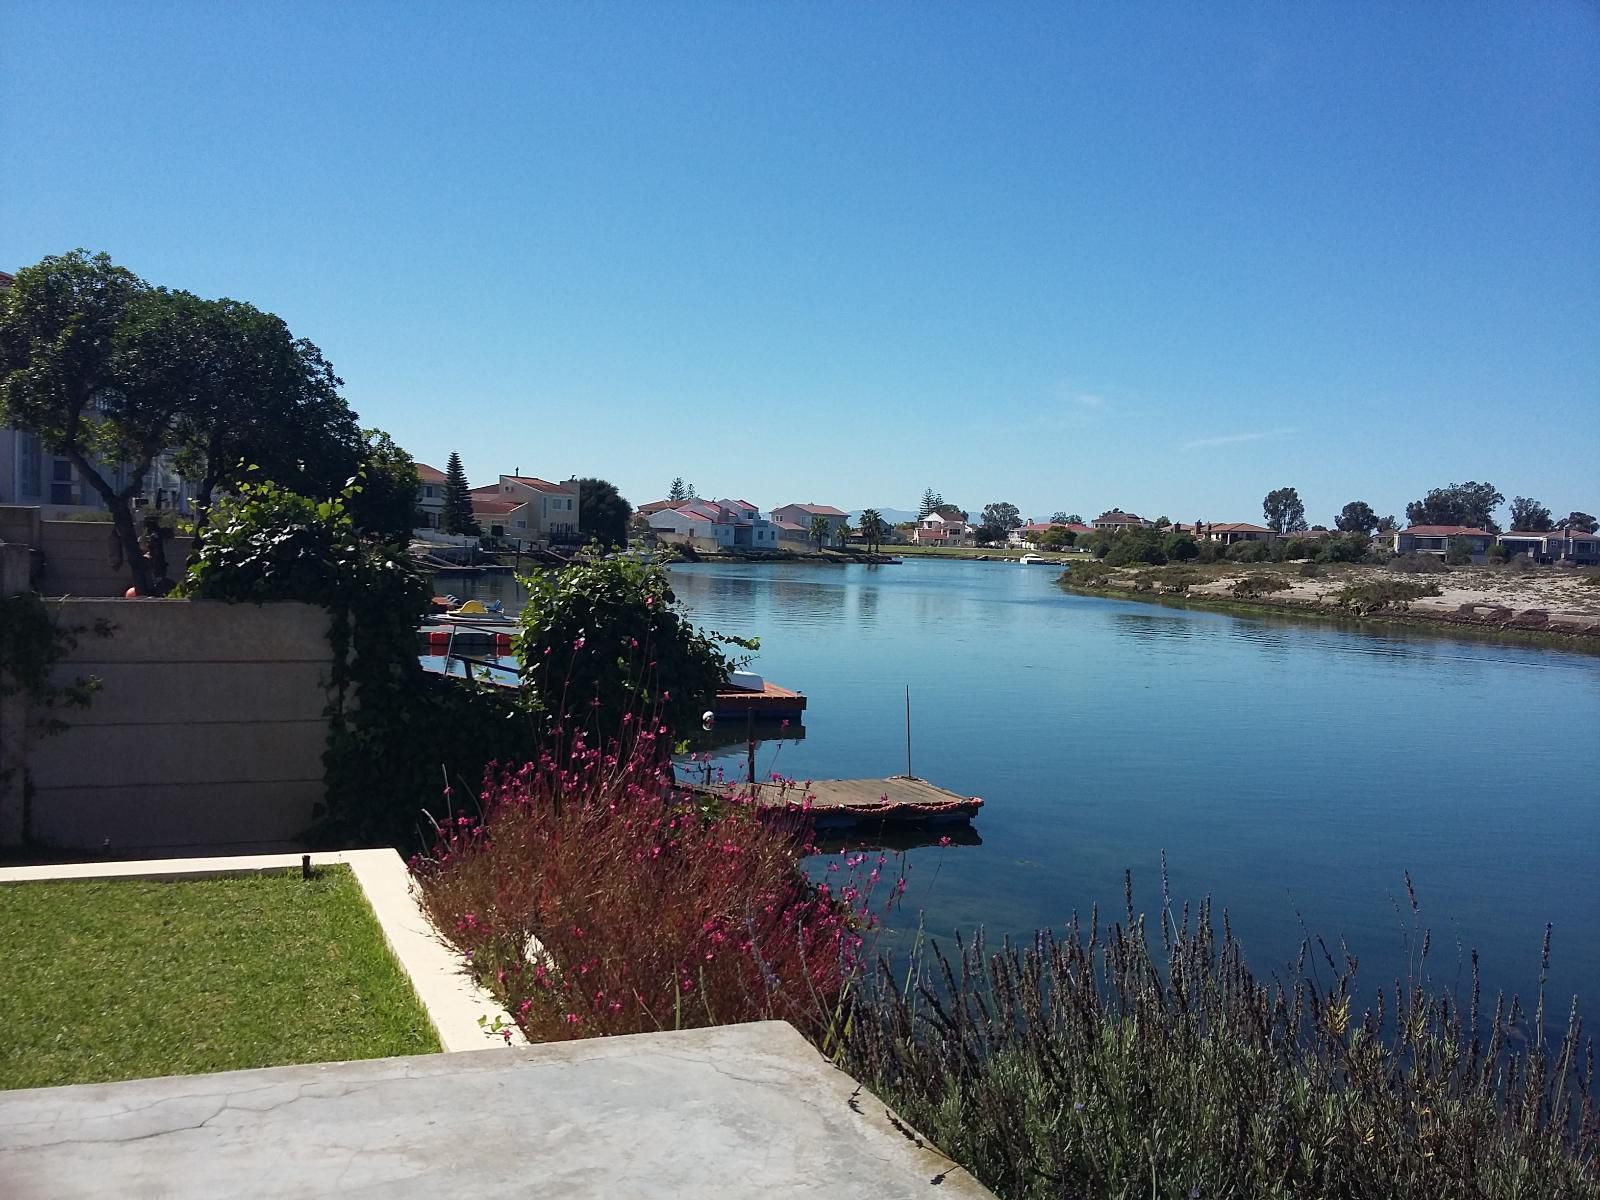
[{"x": 1094, "y": 1063}]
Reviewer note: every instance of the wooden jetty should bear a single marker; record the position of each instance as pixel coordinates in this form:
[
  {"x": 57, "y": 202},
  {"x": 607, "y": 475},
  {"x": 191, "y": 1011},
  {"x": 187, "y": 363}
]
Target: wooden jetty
[
  {"x": 771, "y": 703},
  {"x": 832, "y": 803}
]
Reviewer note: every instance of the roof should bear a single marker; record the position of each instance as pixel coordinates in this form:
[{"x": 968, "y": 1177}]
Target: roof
[
  {"x": 1446, "y": 531},
  {"x": 656, "y": 506},
  {"x": 495, "y": 507},
  {"x": 430, "y": 474},
  {"x": 789, "y": 525},
  {"x": 1576, "y": 535},
  {"x": 1119, "y": 518},
  {"x": 537, "y": 484},
  {"x": 1043, "y": 526},
  {"x": 818, "y": 510},
  {"x": 1236, "y": 527},
  {"x": 7, "y": 279},
  {"x": 488, "y": 489}
]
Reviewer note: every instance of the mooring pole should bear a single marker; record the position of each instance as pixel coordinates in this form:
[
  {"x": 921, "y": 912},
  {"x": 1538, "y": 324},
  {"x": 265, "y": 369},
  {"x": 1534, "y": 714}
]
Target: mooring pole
[
  {"x": 909, "y": 775},
  {"x": 750, "y": 737}
]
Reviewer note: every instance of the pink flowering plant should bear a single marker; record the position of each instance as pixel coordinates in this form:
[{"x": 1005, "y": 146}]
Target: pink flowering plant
[{"x": 594, "y": 897}]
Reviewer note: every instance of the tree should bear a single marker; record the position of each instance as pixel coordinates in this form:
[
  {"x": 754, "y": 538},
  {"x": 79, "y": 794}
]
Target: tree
[
  {"x": 819, "y": 529},
  {"x": 1001, "y": 515},
  {"x": 1469, "y": 504},
  {"x": 932, "y": 501},
  {"x": 1069, "y": 519},
  {"x": 457, "y": 498},
  {"x": 603, "y": 644},
  {"x": 1388, "y": 524},
  {"x": 1356, "y": 517},
  {"x": 1057, "y": 537},
  {"x": 1580, "y": 520},
  {"x": 64, "y": 325},
  {"x": 261, "y": 406},
  {"x": 691, "y": 494},
  {"x": 602, "y": 512},
  {"x": 1162, "y": 522},
  {"x": 1530, "y": 516},
  {"x": 842, "y": 533},
  {"x": 384, "y": 502},
  {"x": 872, "y": 528},
  {"x": 677, "y": 491},
  {"x": 1284, "y": 511},
  {"x": 1180, "y": 547}
]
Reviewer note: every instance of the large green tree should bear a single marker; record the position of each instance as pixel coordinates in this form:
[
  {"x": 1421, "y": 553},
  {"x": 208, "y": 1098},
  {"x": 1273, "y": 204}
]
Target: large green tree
[
  {"x": 603, "y": 514},
  {"x": 457, "y": 498},
  {"x": 1530, "y": 516},
  {"x": 1356, "y": 517},
  {"x": 1003, "y": 516},
  {"x": 1580, "y": 520},
  {"x": 932, "y": 501},
  {"x": 1469, "y": 504},
  {"x": 1283, "y": 510},
  {"x": 383, "y": 503},
  {"x": 679, "y": 490},
  {"x": 66, "y": 375}
]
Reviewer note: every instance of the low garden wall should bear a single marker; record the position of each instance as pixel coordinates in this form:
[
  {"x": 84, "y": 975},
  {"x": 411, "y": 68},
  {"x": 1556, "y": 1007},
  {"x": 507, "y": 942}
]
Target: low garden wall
[
  {"x": 74, "y": 558},
  {"x": 208, "y": 730}
]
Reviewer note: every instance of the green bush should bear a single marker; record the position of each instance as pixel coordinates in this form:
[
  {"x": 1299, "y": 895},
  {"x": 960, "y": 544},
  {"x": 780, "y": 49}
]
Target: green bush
[
  {"x": 1349, "y": 547},
  {"x": 1418, "y": 564},
  {"x": 1180, "y": 547},
  {"x": 1384, "y": 593},
  {"x": 1309, "y": 570},
  {"x": 1136, "y": 546},
  {"x": 1459, "y": 553},
  {"x": 1259, "y": 585},
  {"x": 1249, "y": 552},
  {"x": 1086, "y": 573}
]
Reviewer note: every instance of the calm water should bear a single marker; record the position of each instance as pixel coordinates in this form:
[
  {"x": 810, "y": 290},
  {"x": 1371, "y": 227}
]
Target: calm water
[{"x": 1283, "y": 767}]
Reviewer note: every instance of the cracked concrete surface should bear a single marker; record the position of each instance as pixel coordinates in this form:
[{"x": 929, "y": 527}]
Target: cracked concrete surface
[{"x": 743, "y": 1110}]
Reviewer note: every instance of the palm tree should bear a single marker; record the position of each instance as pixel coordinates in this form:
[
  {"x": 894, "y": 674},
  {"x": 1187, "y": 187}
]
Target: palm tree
[
  {"x": 819, "y": 529},
  {"x": 873, "y": 528}
]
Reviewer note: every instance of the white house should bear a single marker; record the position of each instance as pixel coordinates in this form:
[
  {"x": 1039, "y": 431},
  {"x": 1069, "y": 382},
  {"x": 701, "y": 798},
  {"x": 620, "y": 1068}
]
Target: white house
[
  {"x": 430, "y": 496},
  {"x": 938, "y": 530},
  {"x": 719, "y": 524},
  {"x": 1116, "y": 520},
  {"x": 802, "y": 514}
]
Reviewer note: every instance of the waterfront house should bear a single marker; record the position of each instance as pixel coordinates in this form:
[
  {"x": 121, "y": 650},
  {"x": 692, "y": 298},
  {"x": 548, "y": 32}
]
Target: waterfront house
[
  {"x": 715, "y": 525},
  {"x": 1028, "y": 535},
  {"x": 430, "y": 496},
  {"x": 1556, "y": 545},
  {"x": 942, "y": 529},
  {"x": 792, "y": 531},
  {"x": 529, "y": 509},
  {"x": 1116, "y": 521},
  {"x": 801, "y": 514},
  {"x": 1229, "y": 532},
  {"x": 1437, "y": 539}
]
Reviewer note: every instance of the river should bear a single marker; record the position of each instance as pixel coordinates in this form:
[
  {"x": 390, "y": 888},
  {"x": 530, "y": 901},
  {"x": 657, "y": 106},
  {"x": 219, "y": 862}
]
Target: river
[{"x": 1292, "y": 770}]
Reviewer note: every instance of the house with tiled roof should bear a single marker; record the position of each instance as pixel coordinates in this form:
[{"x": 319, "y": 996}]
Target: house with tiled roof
[
  {"x": 1438, "y": 539},
  {"x": 801, "y": 514},
  {"x": 1116, "y": 520},
  {"x": 715, "y": 525},
  {"x": 1557, "y": 545},
  {"x": 529, "y": 509},
  {"x": 939, "y": 529},
  {"x": 430, "y": 496},
  {"x": 1028, "y": 535},
  {"x": 1229, "y": 532}
]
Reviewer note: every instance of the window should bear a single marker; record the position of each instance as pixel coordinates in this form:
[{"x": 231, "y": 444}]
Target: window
[
  {"x": 428, "y": 491},
  {"x": 31, "y": 482}
]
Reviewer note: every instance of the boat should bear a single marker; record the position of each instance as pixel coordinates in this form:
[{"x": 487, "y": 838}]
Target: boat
[{"x": 1029, "y": 560}]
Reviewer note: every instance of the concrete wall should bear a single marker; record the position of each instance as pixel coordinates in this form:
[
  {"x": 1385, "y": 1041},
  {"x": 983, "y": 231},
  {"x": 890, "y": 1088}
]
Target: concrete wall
[
  {"x": 209, "y": 729},
  {"x": 74, "y": 557}
]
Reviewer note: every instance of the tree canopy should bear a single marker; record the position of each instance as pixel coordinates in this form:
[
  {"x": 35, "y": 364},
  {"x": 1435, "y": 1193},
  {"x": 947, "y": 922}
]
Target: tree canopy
[
  {"x": 932, "y": 501},
  {"x": 998, "y": 519},
  {"x": 819, "y": 529},
  {"x": 1530, "y": 516},
  {"x": 679, "y": 490},
  {"x": 1580, "y": 520},
  {"x": 1469, "y": 504},
  {"x": 384, "y": 501},
  {"x": 1356, "y": 517},
  {"x": 1284, "y": 511},
  {"x": 603, "y": 514}
]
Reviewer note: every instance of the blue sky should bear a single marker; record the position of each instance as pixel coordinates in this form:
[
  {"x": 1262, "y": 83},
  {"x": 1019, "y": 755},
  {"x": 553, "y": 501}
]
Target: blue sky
[{"x": 1070, "y": 256}]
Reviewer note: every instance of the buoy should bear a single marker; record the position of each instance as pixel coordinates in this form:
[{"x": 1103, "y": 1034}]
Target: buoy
[
  {"x": 131, "y": 594},
  {"x": 502, "y": 643}
]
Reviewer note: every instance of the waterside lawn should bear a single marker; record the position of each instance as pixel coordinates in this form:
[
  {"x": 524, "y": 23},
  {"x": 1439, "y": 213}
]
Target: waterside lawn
[{"x": 127, "y": 979}]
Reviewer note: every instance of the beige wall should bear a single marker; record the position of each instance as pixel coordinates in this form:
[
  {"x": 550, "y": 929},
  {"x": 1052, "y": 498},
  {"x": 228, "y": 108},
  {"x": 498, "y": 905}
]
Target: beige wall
[
  {"x": 209, "y": 730},
  {"x": 74, "y": 557}
]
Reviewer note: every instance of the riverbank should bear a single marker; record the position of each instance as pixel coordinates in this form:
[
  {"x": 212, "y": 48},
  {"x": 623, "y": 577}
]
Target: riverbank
[{"x": 1542, "y": 606}]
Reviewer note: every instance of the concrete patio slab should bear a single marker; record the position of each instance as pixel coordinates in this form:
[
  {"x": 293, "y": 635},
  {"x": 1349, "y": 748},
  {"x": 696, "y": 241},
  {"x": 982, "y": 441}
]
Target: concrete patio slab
[{"x": 741, "y": 1110}]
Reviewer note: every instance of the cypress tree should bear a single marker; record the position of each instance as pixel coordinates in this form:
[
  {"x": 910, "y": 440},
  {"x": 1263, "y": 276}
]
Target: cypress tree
[{"x": 457, "y": 498}]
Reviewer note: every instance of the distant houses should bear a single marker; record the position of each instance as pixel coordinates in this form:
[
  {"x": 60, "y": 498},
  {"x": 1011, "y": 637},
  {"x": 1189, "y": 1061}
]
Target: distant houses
[
  {"x": 945, "y": 527},
  {"x": 802, "y": 515},
  {"x": 1116, "y": 520},
  {"x": 529, "y": 509},
  {"x": 714, "y": 525},
  {"x": 1439, "y": 539}
]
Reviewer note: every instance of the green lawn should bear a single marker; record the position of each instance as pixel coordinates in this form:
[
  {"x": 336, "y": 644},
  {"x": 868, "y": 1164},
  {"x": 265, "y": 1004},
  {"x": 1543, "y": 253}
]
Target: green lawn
[{"x": 129, "y": 978}]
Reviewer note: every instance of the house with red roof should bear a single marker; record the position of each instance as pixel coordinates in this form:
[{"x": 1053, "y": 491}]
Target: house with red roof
[
  {"x": 1116, "y": 521},
  {"x": 801, "y": 515},
  {"x": 529, "y": 509},
  {"x": 715, "y": 525},
  {"x": 1572, "y": 545},
  {"x": 1438, "y": 539},
  {"x": 1229, "y": 532},
  {"x": 430, "y": 496},
  {"x": 947, "y": 527}
]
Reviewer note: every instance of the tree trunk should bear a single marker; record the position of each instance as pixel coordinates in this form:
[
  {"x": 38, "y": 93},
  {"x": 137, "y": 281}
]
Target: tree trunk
[
  {"x": 202, "y": 515},
  {"x": 121, "y": 520}
]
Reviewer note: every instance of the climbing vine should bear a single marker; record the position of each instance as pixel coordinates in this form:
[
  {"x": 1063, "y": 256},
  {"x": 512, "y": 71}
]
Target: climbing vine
[
  {"x": 32, "y": 642},
  {"x": 397, "y": 736}
]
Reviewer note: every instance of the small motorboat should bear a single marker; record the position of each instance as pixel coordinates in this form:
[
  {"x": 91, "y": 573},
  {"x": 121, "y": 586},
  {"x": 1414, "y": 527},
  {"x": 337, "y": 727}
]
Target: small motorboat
[{"x": 1029, "y": 560}]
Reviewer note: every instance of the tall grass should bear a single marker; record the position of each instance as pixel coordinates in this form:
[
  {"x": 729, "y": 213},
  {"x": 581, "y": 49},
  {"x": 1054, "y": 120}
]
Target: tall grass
[{"x": 1094, "y": 1063}]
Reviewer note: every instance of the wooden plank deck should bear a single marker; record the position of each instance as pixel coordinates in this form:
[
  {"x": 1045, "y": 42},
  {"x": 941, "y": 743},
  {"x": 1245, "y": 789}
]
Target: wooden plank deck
[
  {"x": 771, "y": 703},
  {"x": 899, "y": 799}
]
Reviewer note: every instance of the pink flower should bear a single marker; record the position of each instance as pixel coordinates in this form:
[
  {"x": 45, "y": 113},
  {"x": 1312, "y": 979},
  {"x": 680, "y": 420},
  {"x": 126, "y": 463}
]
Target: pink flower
[
  {"x": 578, "y": 644},
  {"x": 944, "y": 841}
]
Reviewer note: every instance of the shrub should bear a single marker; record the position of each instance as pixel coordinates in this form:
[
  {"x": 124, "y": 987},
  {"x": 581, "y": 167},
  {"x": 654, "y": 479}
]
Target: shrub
[
  {"x": 1087, "y": 573},
  {"x": 1459, "y": 553},
  {"x": 1136, "y": 546},
  {"x": 1418, "y": 564},
  {"x": 1350, "y": 547},
  {"x": 1096, "y": 1064},
  {"x": 1520, "y": 562},
  {"x": 1298, "y": 547},
  {"x": 1309, "y": 570},
  {"x": 1259, "y": 585},
  {"x": 1384, "y": 593},
  {"x": 591, "y": 900},
  {"x": 605, "y": 637},
  {"x": 1210, "y": 552},
  {"x": 1180, "y": 547},
  {"x": 1249, "y": 552}
]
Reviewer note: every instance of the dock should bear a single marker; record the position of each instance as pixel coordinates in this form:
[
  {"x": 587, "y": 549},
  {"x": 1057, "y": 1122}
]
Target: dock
[
  {"x": 771, "y": 703},
  {"x": 835, "y": 803}
]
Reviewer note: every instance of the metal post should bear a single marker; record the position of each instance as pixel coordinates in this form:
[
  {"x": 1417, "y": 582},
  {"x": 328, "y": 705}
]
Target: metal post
[
  {"x": 750, "y": 736},
  {"x": 909, "y": 775}
]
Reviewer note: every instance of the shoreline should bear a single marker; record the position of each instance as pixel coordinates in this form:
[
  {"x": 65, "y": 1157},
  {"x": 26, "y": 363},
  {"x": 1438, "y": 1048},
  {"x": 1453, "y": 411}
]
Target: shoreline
[{"x": 1575, "y": 639}]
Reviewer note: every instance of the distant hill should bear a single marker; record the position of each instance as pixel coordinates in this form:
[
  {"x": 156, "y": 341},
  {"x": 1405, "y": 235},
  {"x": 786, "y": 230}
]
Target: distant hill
[{"x": 894, "y": 516}]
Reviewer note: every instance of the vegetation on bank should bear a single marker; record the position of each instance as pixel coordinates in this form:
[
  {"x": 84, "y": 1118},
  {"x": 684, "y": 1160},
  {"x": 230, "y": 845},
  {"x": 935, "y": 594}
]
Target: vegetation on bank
[
  {"x": 126, "y": 979},
  {"x": 1105, "y": 1062}
]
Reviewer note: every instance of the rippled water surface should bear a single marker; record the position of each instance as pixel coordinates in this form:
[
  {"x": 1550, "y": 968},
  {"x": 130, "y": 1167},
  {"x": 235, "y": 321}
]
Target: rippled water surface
[{"x": 1284, "y": 767}]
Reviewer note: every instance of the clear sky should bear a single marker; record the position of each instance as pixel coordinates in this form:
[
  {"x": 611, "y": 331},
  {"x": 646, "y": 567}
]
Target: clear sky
[{"x": 1067, "y": 255}]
